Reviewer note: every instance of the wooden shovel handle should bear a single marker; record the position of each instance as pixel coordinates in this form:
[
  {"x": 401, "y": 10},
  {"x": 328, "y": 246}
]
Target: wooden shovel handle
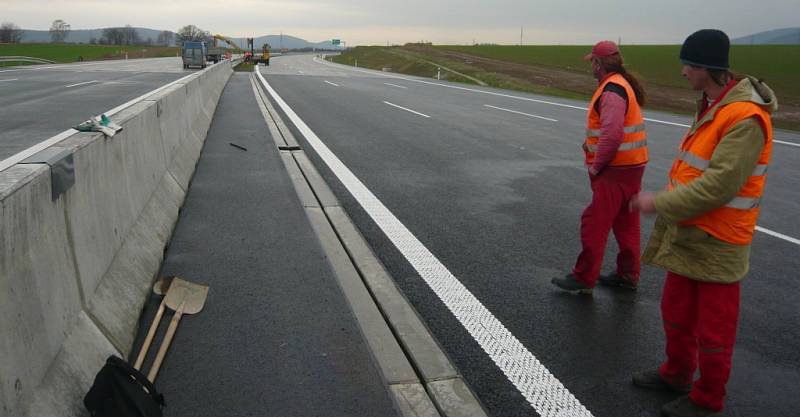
[
  {"x": 150, "y": 334},
  {"x": 162, "y": 351}
]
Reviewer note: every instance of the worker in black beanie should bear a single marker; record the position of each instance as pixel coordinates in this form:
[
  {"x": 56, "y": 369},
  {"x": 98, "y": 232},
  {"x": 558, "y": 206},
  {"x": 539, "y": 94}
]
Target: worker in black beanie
[{"x": 705, "y": 225}]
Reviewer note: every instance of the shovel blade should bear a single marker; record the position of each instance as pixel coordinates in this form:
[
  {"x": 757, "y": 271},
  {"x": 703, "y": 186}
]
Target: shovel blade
[
  {"x": 162, "y": 284},
  {"x": 192, "y": 296}
]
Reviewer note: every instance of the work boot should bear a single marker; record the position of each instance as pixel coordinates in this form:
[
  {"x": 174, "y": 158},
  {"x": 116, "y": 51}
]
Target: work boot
[
  {"x": 653, "y": 380},
  {"x": 685, "y": 407},
  {"x": 571, "y": 284},
  {"x": 616, "y": 280}
]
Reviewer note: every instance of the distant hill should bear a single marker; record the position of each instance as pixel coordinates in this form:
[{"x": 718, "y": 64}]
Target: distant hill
[
  {"x": 85, "y": 35},
  {"x": 786, "y": 36},
  {"x": 290, "y": 42}
]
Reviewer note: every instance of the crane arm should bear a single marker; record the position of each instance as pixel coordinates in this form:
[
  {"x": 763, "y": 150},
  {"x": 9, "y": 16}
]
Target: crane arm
[{"x": 229, "y": 42}]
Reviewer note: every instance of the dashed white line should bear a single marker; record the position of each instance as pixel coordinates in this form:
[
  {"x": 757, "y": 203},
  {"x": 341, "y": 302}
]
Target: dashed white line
[
  {"x": 541, "y": 389},
  {"x": 395, "y": 85},
  {"x": 83, "y": 83},
  {"x": 333, "y": 84},
  {"x": 519, "y": 112},
  {"x": 9, "y": 79},
  {"x": 22, "y": 155},
  {"x": 406, "y": 109}
]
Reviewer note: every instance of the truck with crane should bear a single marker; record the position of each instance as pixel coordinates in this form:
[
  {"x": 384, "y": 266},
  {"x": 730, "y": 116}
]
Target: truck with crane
[{"x": 216, "y": 52}]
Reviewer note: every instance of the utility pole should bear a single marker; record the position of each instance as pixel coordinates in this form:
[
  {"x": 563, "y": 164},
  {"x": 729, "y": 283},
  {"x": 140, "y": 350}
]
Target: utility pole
[{"x": 520, "y": 36}]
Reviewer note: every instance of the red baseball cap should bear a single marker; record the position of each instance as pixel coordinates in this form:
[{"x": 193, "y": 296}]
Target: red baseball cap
[{"x": 602, "y": 49}]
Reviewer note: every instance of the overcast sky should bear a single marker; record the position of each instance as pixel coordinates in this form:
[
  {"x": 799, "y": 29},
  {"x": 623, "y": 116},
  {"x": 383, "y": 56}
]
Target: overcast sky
[{"x": 440, "y": 21}]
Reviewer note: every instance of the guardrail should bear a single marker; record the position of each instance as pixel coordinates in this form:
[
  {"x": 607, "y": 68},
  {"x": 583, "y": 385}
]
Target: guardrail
[{"x": 84, "y": 221}]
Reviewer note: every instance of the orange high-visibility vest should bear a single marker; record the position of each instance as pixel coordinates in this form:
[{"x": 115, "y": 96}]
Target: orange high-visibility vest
[
  {"x": 633, "y": 149},
  {"x": 735, "y": 222}
]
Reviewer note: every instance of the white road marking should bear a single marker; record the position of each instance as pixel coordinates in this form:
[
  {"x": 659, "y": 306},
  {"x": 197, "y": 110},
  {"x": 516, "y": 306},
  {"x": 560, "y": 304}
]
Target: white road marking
[
  {"x": 778, "y": 235},
  {"x": 24, "y": 154},
  {"x": 9, "y": 79},
  {"x": 408, "y": 110},
  {"x": 519, "y": 112},
  {"x": 395, "y": 85},
  {"x": 688, "y": 126},
  {"x": 301, "y": 72},
  {"x": 83, "y": 83},
  {"x": 333, "y": 84},
  {"x": 12, "y": 70},
  {"x": 541, "y": 389},
  {"x": 786, "y": 143}
]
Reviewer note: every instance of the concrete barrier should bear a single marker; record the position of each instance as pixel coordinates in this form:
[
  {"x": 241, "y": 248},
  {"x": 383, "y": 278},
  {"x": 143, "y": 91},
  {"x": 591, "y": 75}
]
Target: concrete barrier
[{"x": 76, "y": 268}]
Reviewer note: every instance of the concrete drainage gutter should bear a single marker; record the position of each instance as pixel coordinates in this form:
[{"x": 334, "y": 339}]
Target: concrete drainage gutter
[
  {"x": 422, "y": 379},
  {"x": 78, "y": 255}
]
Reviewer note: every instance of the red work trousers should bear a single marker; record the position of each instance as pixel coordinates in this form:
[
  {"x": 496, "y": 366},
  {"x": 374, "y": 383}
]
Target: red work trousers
[
  {"x": 612, "y": 190},
  {"x": 700, "y": 321}
]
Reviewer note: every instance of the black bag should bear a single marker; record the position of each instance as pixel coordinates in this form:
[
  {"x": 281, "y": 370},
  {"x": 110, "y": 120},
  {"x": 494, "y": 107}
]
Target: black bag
[{"x": 119, "y": 390}]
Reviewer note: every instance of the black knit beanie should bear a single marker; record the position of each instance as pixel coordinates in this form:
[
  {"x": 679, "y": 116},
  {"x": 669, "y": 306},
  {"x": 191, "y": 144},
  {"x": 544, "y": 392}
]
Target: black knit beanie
[{"x": 706, "y": 48}]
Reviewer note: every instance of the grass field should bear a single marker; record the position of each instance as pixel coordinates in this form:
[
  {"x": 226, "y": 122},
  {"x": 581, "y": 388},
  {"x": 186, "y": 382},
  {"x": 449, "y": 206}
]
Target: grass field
[
  {"x": 405, "y": 61},
  {"x": 244, "y": 67},
  {"x": 778, "y": 65},
  {"x": 63, "y": 53}
]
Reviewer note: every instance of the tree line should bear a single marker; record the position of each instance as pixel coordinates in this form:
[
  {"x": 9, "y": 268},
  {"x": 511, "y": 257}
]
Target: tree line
[{"x": 125, "y": 35}]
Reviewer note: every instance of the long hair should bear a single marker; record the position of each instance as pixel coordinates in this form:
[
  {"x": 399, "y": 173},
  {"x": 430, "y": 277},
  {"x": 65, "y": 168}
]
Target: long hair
[{"x": 614, "y": 63}]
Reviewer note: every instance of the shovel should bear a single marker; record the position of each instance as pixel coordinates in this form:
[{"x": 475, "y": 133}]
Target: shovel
[
  {"x": 160, "y": 288},
  {"x": 185, "y": 298}
]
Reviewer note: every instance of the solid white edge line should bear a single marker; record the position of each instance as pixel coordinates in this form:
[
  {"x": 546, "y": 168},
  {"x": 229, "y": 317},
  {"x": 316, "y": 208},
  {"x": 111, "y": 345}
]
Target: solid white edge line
[
  {"x": 395, "y": 85},
  {"x": 519, "y": 112},
  {"x": 333, "y": 84},
  {"x": 778, "y": 235},
  {"x": 26, "y": 153},
  {"x": 10, "y": 79},
  {"x": 408, "y": 110},
  {"x": 786, "y": 143},
  {"x": 543, "y": 391},
  {"x": 767, "y": 231},
  {"x": 83, "y": 83}
]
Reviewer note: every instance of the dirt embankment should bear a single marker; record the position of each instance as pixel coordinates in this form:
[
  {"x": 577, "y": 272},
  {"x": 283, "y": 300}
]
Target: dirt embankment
[{"x": 659, "y": 97}]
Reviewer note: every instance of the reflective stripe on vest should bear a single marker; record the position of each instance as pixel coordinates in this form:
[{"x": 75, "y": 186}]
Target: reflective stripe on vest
[
  {"x": 627, "y": 146},
  {"x": 701, "y": 164},
  {"x": 742, "y": 203},
  {"x": 627, "y": 129}
]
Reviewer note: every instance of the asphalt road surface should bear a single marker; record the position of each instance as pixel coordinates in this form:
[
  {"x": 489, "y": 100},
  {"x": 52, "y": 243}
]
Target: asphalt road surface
[
  {"x": 40, "y": 101},
  {"x": 276, "y": 337},
  {"x": 491, "y": 183}
]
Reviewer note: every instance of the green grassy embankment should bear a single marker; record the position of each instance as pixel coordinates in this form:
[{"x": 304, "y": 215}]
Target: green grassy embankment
[
  {"x": 244, "y": 67},
  {"x": 406, "y": 61},
  {"x": 778, "y": 65},
  {"x": 63, "y": 53}
]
